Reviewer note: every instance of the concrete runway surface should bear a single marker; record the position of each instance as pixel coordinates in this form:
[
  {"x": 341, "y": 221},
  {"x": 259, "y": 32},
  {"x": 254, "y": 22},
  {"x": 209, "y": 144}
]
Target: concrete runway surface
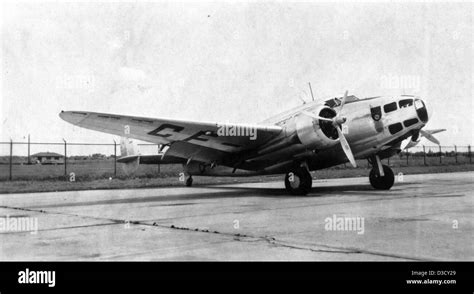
[{"x": 423, "y": 217}]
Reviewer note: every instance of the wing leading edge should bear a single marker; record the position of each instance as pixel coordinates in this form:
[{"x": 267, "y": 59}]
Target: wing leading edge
[{"x": 203, "y": 141}]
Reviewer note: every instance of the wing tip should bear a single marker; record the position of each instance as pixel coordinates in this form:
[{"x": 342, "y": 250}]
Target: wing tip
[{"x": 73, "y": 117}]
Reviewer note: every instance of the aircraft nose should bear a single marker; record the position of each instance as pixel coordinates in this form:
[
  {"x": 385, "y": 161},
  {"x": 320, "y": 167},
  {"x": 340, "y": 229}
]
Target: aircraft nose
[{"x": 429, "y": 109}]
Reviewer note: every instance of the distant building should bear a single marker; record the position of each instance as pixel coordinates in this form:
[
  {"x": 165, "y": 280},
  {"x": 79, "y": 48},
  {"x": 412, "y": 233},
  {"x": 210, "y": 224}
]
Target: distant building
[{"x": 48, "y": 158}]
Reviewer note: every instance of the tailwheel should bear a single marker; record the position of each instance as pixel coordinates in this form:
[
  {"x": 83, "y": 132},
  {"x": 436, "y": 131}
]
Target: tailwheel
[
  {"x": 384, "y": 182},
  {"x": 189, "y": 181},
  {"x": 298, "y": 181}
]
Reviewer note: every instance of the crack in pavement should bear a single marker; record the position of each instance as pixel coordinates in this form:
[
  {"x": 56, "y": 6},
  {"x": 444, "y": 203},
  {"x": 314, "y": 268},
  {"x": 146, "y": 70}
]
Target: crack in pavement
[
  {"x": 237, "y": 237},
  {"x": 56, "y": 229}
]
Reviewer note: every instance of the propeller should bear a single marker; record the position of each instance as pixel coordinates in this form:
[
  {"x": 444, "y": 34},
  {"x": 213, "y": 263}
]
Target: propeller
[
  {"x": 428, "y": 134},
  {"x": 337, "y": 121},
  {"x": 345, "y": 146},
  {"x": 414, "y": 140}
]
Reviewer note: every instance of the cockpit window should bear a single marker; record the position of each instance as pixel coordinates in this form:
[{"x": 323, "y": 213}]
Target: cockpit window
[
  {"x": 421, "y": 110},
  {"x": 405, "y": 103},
  {"x": 390, "y": 107},
  {"x": 395, "y": 128},
  {"x": 419, "y": 104},
  {"x": 410, "y": 122}
]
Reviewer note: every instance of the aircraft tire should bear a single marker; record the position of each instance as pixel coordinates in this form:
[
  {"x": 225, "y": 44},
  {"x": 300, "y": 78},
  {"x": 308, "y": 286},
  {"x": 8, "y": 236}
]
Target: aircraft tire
[
  {"x": 382, "y": 183},
  {"x": 189, "y": 181},
  {"x": 301, "y": 182}
]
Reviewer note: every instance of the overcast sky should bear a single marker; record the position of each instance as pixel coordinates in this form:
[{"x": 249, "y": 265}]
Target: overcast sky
[{"x": 231, "y": 62}]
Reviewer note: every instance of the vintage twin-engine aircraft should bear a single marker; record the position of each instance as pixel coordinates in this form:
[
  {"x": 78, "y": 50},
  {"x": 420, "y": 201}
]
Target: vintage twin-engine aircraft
[{"x": 313, "y": 136}]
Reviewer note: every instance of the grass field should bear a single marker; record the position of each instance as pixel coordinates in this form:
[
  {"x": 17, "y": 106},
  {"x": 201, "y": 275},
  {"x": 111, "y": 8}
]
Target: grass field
[
  {"x": 86, "y": 170},
  {"x": 99, "y": 174}
]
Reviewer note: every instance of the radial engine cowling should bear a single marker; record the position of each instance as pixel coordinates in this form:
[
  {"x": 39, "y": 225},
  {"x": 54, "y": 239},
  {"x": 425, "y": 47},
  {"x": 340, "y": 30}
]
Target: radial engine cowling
[{"x": 315, "y": 133}]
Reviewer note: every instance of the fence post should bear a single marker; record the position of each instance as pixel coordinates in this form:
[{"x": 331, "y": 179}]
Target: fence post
[
  {"x": 456, "y": 154},
  {"x": 29, "y": 158},
  {"x": 160, "y": 147},
  {"x": 469, "y": 150},
  {"x": 115, "y": 158},
  {"x": 424, "y": 155},
  {"x": 440, "y": 155},
  {"x": 65, "y": 157},
  {"x": 11, "y": 159}
]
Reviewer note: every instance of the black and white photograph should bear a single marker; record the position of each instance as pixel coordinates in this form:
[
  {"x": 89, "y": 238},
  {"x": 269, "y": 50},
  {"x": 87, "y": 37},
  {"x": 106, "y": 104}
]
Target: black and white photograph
[{"x": 237, "y": 131}]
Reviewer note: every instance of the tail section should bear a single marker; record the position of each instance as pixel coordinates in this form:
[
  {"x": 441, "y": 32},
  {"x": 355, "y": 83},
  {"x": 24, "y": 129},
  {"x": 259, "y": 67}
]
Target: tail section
[
  {"x": 128, "y": 147},
  {"x": 130, "y": 155}
]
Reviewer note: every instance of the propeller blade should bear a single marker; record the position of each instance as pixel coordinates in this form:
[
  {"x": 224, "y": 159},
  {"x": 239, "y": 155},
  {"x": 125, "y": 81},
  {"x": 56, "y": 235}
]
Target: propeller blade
[
  {"x": 315, "y": 116},
  {"x": 429, "y": 137},
  {"x": 432, "y": 132},
  {"x": 343, "y": 101},
  {"x": 345, "y": 146},
  {"x": 338, "y": 120},
  {"x": 414, "y": 140},
  {"x": 415, "y": 136},
  {"x": 411, "y": 144}
]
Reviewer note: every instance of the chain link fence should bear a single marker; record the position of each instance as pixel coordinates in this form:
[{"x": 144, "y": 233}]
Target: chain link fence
[
  {"x": 67, "y": 160},
  {"x": 72, "y": 161}
]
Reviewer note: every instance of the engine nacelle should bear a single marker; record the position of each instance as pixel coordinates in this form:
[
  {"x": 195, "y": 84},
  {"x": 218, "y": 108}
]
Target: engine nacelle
[{"x": 316, "y": 133}]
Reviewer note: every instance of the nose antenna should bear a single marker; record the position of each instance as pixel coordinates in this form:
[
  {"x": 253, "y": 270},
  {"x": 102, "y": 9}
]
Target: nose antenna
[{"x": 311, "y": 90}]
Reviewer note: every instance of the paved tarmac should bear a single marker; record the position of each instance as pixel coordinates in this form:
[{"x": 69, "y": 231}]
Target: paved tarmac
[{"x": 423, "y": 217}]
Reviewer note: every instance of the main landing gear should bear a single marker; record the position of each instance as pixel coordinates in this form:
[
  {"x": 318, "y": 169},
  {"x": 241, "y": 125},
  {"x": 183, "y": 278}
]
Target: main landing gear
[
  {"x": 381, "y": 176},
  {"x": 298, "y": 181},
  {"x": 189, "y": 181}
]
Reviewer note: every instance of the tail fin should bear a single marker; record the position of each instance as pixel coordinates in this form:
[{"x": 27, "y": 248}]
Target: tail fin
[
  {"x": 128, "y": 147},
  {"x": 130, "y": 155}
]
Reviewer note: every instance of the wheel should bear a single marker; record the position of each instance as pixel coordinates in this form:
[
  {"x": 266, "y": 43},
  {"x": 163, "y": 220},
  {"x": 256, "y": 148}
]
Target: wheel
[
  {"x": 381, "y": 183},
  {"x": 189, "y": 181},
  {"x": 298, "y": 182}
]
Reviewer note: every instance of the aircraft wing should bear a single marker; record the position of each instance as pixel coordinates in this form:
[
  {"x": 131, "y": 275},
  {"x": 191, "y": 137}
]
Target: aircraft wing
[
  {"x": 152, "y": 159},
  {"x": 201, "y": 141}
]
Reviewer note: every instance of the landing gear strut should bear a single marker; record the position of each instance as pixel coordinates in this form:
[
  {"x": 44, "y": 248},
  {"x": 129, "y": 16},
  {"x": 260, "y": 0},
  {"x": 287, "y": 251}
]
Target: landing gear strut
[
  {"x": 189, "y": 181},
  {"x": 298, "y": 181},
  {"x": 381, "y": 176}
]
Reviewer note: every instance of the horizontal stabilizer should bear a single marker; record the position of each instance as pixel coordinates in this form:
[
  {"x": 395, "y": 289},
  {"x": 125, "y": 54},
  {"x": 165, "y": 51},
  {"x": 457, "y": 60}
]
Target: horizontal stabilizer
[
  {"x": 131, "y": 155},
  {"x": 152, "y": 159}
]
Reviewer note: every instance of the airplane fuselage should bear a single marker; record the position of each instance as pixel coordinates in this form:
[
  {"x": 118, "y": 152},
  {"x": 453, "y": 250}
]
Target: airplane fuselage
[
  {"x": 313, "y": 136},
  {"x": 373, "y": 126}
]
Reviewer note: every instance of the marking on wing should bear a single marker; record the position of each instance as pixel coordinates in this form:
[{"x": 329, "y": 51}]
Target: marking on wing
[
  {"x": 174, "y": 128},
  {"x": 170, "y": 129}
]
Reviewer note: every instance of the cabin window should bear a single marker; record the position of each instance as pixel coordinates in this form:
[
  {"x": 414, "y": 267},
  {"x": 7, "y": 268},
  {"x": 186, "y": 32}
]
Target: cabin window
[
  {"x": 410, "y": 122},
  {"x": 395, "y": 128},
  {"x": 405, "y": 103},
  {"x": 390, "y": 107}
]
